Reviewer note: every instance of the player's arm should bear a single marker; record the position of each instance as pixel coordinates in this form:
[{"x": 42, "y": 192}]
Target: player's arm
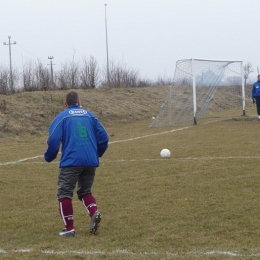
[
  {"x": 55, "y": 136},
  {"x": 102, "y": 138},
  {"x": 253, "y": 94}
]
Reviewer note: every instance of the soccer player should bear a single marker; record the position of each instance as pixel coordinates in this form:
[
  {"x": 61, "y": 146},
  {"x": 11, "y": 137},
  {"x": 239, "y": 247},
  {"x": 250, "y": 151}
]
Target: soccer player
[
  {"x": 256, "y": 95},
  {"x": 83, "y": 140}
]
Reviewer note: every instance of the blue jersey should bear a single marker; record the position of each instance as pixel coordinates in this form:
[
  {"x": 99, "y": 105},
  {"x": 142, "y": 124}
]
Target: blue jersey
[
  {"x": 82, "y": 137},
  {"x": 256, "y": 89}
]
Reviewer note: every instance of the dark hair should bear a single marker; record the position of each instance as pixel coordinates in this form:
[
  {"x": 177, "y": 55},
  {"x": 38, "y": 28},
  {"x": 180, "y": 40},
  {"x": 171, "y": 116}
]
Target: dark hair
[{"x": 72, "y": 98}]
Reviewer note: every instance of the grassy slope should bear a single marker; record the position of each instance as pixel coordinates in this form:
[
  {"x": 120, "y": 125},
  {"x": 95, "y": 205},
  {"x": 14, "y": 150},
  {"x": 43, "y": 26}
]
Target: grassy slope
[{"x": 32, "y": 112}]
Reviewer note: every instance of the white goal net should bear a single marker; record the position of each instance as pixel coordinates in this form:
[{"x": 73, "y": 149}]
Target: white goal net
[{"x": 201, "y": 86}]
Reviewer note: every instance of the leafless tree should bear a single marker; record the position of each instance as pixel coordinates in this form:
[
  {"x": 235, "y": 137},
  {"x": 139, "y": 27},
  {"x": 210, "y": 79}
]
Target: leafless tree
[
  {"x": 121, "y": 76},
  {"x": 36, "y": 76},
  {"x": 62, "y": 81},
  {"x": 15, "y": 78},
  {"x": 233, "y": 81},
  {"x": 6, "y": 85},
  {"x": 163, "y": 81},
  {"x": 28, "y": 77},
  {"x": 4, "y": 81},
  {"x": 68, "y": 77},
  {"x": 247, "y": 70},
  {"x": 89, "y": 74},
  {"x": 144, "y": 83},
  {"x": 42, "y": 76},
  {"x": 74, "y": 75}
]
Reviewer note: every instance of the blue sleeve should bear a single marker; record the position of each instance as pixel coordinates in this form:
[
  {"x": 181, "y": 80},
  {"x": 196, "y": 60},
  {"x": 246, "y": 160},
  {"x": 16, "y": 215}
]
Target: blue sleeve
[
  {"x": 253, "y": 91},
  {"x": 102, "y": 138},
  {"x": 54, "y": 140}
]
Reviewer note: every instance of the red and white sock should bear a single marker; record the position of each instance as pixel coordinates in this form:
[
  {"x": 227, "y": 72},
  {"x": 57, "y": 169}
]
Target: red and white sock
[
  {"x": 66, "y": 212},
  {"x": 89, "y": 202}
]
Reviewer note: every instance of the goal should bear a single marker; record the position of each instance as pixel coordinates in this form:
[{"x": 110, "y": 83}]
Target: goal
[{"x": 202, "y": 86}]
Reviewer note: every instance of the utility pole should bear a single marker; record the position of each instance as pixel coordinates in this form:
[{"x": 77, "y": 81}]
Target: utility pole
[
  {"x": 10, "y": 58},
  {"x": 51, "y": 58},
  {"x": 108, "y": 77}
]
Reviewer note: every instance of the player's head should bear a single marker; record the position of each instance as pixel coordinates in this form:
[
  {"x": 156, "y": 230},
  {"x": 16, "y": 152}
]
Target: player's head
[
  {"x": 72, "y": 98},
  {"x": 258, "y": 77}
]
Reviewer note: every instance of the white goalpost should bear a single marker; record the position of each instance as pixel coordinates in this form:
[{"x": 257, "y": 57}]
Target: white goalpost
[{"x": 201, "y": 86}]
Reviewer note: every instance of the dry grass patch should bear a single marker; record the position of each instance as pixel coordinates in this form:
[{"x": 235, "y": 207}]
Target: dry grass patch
[{"x": 32, "y": 112}]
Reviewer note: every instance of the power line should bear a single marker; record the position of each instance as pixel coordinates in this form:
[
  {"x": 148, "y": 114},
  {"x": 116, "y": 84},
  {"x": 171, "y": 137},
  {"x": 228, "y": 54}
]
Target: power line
[{"x": 26, "y": 50}]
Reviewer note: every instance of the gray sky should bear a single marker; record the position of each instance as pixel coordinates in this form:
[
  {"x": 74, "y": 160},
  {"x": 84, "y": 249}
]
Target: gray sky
[{"x": 146, "y": 35}]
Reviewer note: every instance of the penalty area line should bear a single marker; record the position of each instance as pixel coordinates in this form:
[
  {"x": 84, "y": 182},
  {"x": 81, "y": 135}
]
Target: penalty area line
[
  {"x": 150, "y": 135},
  {"x": 128, "y": 252},
  {"x": 21, "y": 160},
  {"x": 182, "y": 159},
  {"x": 113, "y": 142},
  {"x": 144, "y": 160}
]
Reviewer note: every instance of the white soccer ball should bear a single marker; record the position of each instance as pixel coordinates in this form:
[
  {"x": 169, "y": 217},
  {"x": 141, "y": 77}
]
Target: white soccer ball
[{"x": 165, "y": 153}]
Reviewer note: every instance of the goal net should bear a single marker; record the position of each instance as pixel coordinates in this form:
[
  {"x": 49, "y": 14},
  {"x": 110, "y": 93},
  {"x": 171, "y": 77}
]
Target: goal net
[{"x": 201, "y": 86}]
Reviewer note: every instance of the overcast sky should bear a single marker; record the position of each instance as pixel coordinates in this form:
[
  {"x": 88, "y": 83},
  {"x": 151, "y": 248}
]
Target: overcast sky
[{"x": 146, "y": 35}]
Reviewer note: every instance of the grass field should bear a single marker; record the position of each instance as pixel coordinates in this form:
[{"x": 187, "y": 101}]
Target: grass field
[{"x": 201, "y": 203}]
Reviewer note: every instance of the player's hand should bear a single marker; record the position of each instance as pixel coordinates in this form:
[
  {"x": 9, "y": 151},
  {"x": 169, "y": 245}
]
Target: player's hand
[{"x": 253, "y": 100}]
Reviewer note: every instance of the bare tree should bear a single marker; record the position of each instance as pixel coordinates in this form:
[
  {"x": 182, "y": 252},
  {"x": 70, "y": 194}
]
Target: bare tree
[
  {"x": 122, "y": 77},
  {"x": 28, "y": 77},
  {"x": 8, "y": 86},
  {"x": 62, "y": 77},
  {"x": 232, "y": 81},
  {"x": 74, "y": 75},
  {"x": 144, "y": 83},
  {"x": 247, "y": 70},
  {"x": 43, "y": 77},
  {"x": 4, "y": 81},
  {"x": 15, "y": 80},
  {"x": 69, "y": 76},
  {"x": 90, "y": 73},
  {"x": 36, "y": 76},
  {"x": 163, "y": 81}
]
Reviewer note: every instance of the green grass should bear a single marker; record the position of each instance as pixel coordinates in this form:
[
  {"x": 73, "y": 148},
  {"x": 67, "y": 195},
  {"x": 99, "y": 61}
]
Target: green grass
[{"x": 203, "y": 199}]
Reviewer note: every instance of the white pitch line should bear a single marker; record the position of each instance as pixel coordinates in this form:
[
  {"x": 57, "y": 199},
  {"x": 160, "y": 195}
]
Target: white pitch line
[
  {"x": 127, "y": 252},
  {"x": 21, "y": 160},
  {"x": 223, "y": 253},
  {"x": 145, "y": 136},
  {"x": 183, "y": 159},
  {"x": 22, "y": 250},
  {"x": 52, "y": 252},
  {"x": 144, "y": 160},
  {"x": 153, "y": 159},
  {"x": 141, "y": 137},
  {"x": 113, "y": 142}
]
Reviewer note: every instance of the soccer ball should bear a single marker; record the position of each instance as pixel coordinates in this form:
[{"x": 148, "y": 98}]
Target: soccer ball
[{"x": 165, "y": 153}]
